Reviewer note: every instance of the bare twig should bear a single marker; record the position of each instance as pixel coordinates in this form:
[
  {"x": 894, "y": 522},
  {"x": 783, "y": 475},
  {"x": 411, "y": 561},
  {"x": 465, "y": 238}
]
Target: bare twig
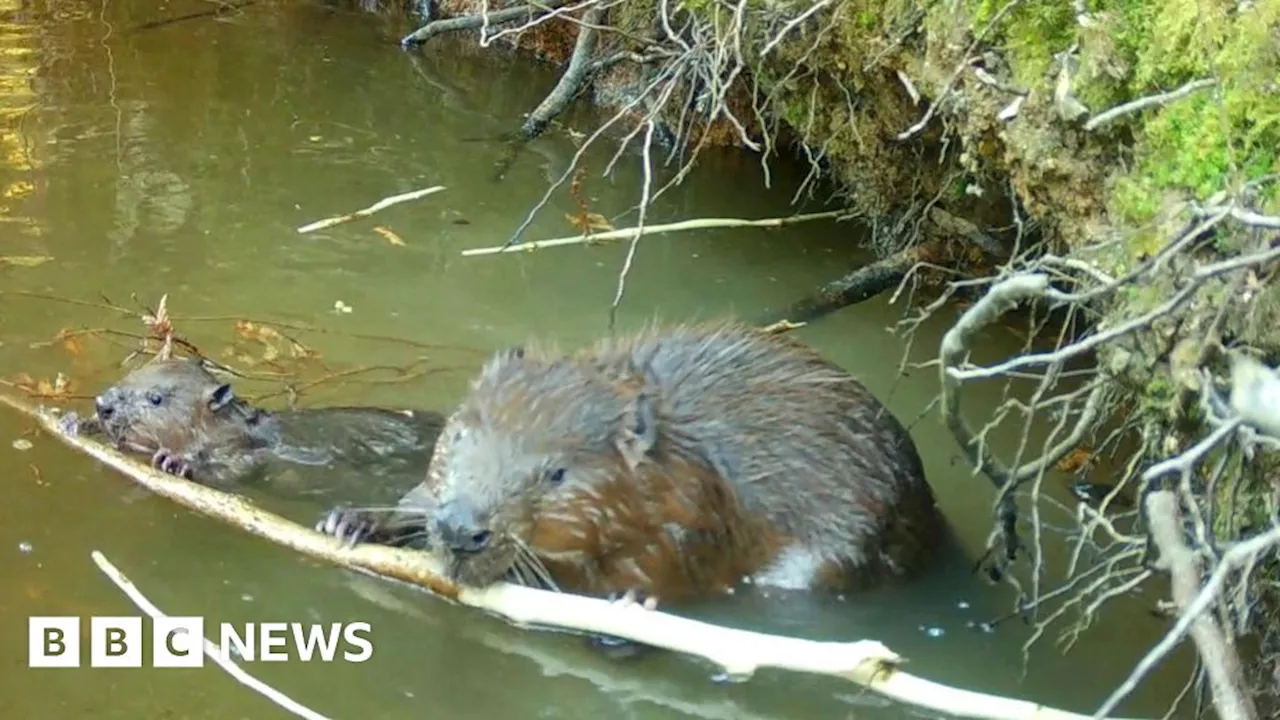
[
  {"x": 1001, "y": 298},
  {"x": 382, "y": 204},
  {"x": 1178, "y": 299},
  {"x": 786, "y": 29},
  {"x": 633, "y": 232},
  {"x": 967, "y": 58},
  {"x": 471, "y": 22},
  {"x": 635, "y": 241},
  {"x": 1149, "y": 101},
  {"x": 1220, "y": 659},
  {"x": 1240, "y": 554}
]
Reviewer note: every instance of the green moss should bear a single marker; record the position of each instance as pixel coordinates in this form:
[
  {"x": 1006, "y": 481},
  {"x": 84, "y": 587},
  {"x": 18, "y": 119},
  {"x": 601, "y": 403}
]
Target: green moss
[
  {"x": 1216, "y": 139},
  {"x": 1160, "y": 390},
  {"x": 1134, "y": 200},
  {"x": 1030, "y": 34},
  {"x": 1183, "y": 38}
]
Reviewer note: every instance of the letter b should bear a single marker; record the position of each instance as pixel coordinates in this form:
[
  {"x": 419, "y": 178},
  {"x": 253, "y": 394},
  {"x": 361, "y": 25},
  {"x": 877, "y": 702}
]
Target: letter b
[
  {"x": 115, "y": 642},
  {"x": 53, "y": 642}
]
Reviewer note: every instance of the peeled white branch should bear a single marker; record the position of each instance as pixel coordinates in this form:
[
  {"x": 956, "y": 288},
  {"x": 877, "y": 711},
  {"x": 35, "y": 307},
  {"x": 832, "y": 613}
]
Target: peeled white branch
[
  {"x": 382, "y": 204},
  {"x": 629, "y": 233}
]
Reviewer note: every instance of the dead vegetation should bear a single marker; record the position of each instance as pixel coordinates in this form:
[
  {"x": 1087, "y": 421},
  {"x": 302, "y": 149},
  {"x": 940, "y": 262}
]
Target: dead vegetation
[{"x": 273, "y": 356}]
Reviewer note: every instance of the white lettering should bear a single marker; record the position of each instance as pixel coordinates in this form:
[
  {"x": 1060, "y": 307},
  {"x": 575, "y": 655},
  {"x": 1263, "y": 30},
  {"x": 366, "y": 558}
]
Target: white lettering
[
  {"x": 272, "y": 635},
  {"x": 306, "y": 646},
  {"x": 352, "y": 635},
  {"x": 243, "y": 644}
]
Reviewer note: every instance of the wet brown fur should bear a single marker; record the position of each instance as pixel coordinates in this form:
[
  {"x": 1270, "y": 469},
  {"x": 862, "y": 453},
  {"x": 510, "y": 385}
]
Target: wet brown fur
[
  {"x": 695, "y": 456},
  {"x": 194, "y": 425}
]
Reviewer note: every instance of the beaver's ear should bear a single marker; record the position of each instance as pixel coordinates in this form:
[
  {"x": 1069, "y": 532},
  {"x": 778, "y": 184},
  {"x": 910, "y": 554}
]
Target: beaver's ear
[
  {"x": 220, "y": 397},
  {"x": 639, "y": 430}
]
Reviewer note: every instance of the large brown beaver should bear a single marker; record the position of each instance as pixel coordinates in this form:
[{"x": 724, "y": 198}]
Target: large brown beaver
[
  {"x": 192, "y": 424},
  {"x": 672, "y": 463}
]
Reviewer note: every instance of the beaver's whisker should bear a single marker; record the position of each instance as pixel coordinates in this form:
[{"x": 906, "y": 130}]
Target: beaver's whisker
[
  {"x": 525, "y": 574},
  {"x": 517, "y": 573},
  {"x": 409, "y": 537},
  {"x": 370, "y": 509},
  {"x": 526, "y": 557}
]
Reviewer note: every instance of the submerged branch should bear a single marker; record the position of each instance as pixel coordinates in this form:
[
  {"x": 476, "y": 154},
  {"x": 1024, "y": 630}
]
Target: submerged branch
[
  {"x": 739, "y": 652},
  {"x": 862, "y": 284},
  {"x": 470, "y": 22},
  {"x": 382, "y": 204},
  {"x": 632, "y": 232},
  {"x": 573, "y": 79},
  {"x": 208, "y": 647}
]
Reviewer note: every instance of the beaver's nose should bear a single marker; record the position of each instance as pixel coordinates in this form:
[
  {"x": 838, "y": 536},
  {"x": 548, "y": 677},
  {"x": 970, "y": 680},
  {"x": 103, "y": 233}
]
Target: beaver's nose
[
  {"x": 105, "y": 404},
  {"x": 461, "y": 529}
]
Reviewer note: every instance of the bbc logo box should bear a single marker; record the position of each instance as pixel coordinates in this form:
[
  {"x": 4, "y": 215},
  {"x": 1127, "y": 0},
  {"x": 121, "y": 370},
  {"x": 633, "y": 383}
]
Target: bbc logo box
[{"x": 56, "y": 642}]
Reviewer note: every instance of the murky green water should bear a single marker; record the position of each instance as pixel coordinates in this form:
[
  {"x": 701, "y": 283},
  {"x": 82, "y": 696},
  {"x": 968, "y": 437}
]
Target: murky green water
[{"x": 180, "y": 160}]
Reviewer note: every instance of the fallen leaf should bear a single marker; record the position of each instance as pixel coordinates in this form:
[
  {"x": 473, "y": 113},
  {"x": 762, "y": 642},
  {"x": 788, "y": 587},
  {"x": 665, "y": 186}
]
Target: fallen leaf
[
  {"x": 58, "y": 387},
  {"x": 302, "y": 352},
  {"x": 1074, "y": 460},
  {"x": 260, "y": 333},
  {"x": 589, "y": 221},
  {"x": 159, "y": 324},
  {"x": 70, "y": 342},
  {"x": 24, "y": 260},
  {"x": 391, "y": 237}
]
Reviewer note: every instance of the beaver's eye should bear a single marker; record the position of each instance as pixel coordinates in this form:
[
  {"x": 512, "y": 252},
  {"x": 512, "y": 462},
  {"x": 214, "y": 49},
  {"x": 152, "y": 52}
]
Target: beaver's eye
[
  {"x": 555, "y": 477},
  {"x": 155, "y": 398}
]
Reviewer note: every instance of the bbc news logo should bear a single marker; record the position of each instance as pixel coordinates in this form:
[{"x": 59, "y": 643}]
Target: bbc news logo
[{"x": 55, "y": 642}]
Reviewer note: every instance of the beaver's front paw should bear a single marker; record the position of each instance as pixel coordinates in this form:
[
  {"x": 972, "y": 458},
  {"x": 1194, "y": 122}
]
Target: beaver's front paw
[
  {"x": 170, "y": 462},
  {"x": 71, "y": 424},
  {"x": 631, "y": 597},
  {"x": 620, "y": 648},
  {"x": 349, "y": 526}
]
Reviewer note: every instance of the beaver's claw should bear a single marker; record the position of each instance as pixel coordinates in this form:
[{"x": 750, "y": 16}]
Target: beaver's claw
[
  {"x": 621, "y": 648},
  {"x": 170, "y": 462},
  {"x": 633, "y": 596},
  {"x": 349, "y": 526},
  {"x": 70, "y": 423}
]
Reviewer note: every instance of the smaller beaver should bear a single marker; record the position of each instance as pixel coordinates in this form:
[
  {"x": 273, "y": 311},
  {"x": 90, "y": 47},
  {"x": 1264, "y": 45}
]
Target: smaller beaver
[
  {"x": 193, "y": 425},
  {"x": 670, "y": 464}
]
